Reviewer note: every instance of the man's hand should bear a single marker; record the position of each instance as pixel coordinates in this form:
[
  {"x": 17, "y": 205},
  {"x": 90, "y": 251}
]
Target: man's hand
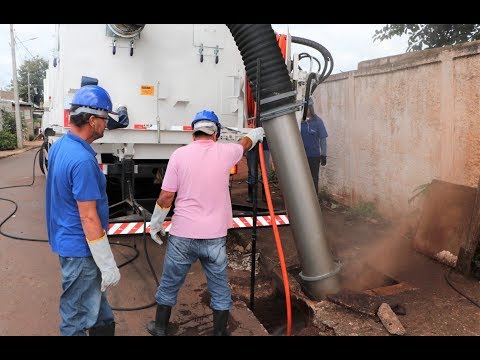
[
  {"x": 110, "y": 278},
  {"x": 323, "y": 160},
  {"x": 156, "y": 223},
  {"x": 158, "y": 236},
  {"x": 256, "y": 135}
]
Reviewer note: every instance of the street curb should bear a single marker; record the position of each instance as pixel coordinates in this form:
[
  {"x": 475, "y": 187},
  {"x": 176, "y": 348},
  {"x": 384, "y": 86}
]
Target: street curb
[{"x": 8, "y": 153}]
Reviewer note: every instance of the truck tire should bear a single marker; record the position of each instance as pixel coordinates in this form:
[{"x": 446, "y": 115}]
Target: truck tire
[{"x": 43, "y": 157}]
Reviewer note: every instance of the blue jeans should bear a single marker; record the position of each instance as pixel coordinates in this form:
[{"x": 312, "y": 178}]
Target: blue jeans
[
  {"x": 181, "y": 254},
  {"x": 82, "y": 304},
  {"x": 251, "y": 165}
]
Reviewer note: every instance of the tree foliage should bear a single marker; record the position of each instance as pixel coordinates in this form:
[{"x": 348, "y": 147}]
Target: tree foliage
[
  {"x": 37, "y": 67},
  {"x": 427, "y": 36},
  {"x": 7, "y": 118}
]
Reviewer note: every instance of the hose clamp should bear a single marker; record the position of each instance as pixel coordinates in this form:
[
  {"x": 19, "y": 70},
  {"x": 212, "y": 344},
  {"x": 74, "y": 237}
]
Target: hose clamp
[
  {"x": 282, "y": 110},
  {"x": 277, "y": 97},
  {"x": 338, "y": 266}
]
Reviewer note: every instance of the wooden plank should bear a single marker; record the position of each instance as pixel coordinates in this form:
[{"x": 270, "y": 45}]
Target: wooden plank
[
  {"x": 467, "y": 251},
  {"x": 445, "y": 218}
]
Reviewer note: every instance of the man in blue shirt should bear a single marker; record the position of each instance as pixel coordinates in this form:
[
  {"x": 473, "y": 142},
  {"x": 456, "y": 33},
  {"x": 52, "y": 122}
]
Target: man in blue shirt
[
  {"x": 77, "y": 218},
  {"x": 314, "y": 137}
]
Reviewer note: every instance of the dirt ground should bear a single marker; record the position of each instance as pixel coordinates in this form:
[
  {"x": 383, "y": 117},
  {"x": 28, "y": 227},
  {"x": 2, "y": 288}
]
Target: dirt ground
[
  {"x": 378, "y": 261},
  {"x": 379, "y": 264}
]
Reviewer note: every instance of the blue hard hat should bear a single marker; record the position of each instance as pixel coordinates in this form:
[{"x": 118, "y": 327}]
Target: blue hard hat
[
  {"x": 205, "y": 115},
  {"x": 209, "y": 116},
  {"x": 93, "y": 96}
]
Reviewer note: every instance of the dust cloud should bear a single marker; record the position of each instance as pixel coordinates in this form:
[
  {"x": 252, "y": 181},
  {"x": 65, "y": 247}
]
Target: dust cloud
[{"x": 377, "y": 262}]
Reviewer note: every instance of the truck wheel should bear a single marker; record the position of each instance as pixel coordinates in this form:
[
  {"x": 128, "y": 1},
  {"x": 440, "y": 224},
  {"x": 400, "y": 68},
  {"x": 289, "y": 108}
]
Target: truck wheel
[{"x": 43, "y": 157}]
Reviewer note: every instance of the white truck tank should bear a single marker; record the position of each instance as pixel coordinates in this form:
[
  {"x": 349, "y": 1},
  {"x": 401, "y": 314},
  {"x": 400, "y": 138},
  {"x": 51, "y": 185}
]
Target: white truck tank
[{"x": 164, "y": 74}]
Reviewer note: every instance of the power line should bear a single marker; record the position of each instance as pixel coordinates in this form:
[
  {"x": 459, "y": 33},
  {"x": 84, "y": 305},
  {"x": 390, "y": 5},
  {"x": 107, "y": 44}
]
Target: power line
[{"x": 21, "y": 42}]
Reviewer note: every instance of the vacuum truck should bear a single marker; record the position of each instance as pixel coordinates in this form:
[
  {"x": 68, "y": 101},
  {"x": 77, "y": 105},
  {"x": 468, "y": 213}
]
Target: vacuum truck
[
  {"x": 162, "y": 74},
  {"x": 159, "y": 76}
]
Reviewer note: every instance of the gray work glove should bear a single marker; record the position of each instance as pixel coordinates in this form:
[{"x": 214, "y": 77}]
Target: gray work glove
[
  {"x": 255, "y": 135},
  {"x": 157, "y": 232},
  {"x": 103, "y": 257}
]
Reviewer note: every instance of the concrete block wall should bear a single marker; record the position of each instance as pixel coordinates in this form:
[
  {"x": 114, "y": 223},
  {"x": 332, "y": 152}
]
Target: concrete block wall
[{"x": 399, "y": 122}]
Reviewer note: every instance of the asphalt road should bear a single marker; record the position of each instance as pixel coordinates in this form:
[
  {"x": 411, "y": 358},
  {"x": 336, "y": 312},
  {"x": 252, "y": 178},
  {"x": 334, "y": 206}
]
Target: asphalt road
[{"x": 30, "y": 273}]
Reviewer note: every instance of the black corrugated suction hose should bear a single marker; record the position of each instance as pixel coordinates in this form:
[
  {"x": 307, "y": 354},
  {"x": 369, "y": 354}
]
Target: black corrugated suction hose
[
  {"x": 323, "y": 50},
  {"x": 258, "y": 41}
]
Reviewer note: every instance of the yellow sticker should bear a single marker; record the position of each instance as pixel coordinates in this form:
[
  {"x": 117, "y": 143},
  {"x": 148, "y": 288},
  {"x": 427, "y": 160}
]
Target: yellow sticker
[{"x": 147, "y": 90}]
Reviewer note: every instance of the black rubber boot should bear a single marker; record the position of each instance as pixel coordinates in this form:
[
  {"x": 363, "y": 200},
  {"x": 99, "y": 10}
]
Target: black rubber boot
[
  {"x": 250, "y": 193},
  {"x": 220, "y": 320},
  {"x": 159, "y": 326},
  {"x": 105, "y": 330}
]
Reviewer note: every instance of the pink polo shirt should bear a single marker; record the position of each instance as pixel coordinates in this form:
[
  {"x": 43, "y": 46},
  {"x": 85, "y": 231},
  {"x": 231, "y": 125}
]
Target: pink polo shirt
[{"x": 199, "y": 173}]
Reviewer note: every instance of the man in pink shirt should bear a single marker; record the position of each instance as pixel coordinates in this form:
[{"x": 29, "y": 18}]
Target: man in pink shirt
[{"x": 199, "y": 174}]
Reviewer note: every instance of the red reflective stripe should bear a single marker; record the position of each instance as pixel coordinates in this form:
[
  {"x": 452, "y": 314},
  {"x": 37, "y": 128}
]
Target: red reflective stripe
[
  {"x": 121, "y": 227},
  {"x": 136, "y": 227},
  {"x": 243, "y": 220},
  {"x": 237, "y": 222}
]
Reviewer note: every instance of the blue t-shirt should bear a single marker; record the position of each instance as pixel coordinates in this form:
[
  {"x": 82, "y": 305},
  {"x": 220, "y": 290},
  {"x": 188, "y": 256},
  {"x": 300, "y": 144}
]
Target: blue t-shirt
[
  {"x": 73, "y": 174},
  {"x": 312, "y": 131}
]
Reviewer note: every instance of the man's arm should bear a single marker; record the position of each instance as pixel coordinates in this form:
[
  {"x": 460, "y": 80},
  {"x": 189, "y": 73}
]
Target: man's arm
[
  {"x": 165, "y": 199},
  {"x": 251, "y": 139},
  {"x": 91, "y": 224},
  {"x": 323, "y": 146},
  {"x": 97, "y": 241},
  {"x": 323, "y": 150},
  {"x": 246, "y": 143}
]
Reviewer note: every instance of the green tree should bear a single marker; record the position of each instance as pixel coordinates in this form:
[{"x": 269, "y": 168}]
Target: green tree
[
  {"x": 7, "y": 118},
  {"x": 37, "y": 67},
  {"x": 427, "y": 36}
]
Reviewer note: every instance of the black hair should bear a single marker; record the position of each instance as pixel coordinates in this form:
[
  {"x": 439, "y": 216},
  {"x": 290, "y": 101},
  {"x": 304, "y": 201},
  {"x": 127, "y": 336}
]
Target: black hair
[{"x": 200, "y": 133}]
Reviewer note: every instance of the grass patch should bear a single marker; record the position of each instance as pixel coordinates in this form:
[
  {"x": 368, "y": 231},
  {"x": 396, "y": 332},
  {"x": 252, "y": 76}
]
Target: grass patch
[
  {"x": 364, "y": 210},
  {"x": 324, "y": 195}
]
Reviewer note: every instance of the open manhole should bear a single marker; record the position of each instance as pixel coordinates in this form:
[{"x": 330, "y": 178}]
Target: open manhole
[
  {"x": 363, "y": 289},
  {"x": 272, "y": 314},
  {"x": 362, "y": 278}
]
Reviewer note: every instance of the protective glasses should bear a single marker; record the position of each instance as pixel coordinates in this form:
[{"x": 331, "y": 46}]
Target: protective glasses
[{"x": 102, "y": 117}]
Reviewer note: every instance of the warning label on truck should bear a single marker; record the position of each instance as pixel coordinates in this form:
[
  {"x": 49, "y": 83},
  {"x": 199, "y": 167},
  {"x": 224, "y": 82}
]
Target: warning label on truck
[{"x": 147, "y": 90}]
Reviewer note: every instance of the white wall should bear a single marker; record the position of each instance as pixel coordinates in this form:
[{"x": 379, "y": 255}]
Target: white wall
[{"x": 399, "y": 122}]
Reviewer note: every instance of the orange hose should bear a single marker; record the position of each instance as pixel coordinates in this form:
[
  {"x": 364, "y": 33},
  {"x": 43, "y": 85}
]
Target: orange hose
[
  {"x": 276, "y": 234},
  {"x": 251, "y": 110}
]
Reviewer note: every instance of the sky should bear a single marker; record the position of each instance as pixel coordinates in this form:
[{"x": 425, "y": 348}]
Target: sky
[{"x": 348, "y": 44}]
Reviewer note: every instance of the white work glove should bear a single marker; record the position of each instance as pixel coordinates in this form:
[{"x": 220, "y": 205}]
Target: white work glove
[
  {"x": 156, "y": 223},
  {"x": 255, "y": 135},
  {"x": 102, "y": 254}
]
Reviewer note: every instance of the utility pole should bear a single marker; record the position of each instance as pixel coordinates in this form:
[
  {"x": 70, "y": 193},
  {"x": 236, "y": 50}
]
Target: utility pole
[
  {"x": 28, "y": 86},
  {"x": 18, "y": 120}
]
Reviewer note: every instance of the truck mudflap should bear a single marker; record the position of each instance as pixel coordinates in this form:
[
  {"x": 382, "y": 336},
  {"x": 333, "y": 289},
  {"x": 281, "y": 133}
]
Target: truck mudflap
[{"x": 129, "y": 228}]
